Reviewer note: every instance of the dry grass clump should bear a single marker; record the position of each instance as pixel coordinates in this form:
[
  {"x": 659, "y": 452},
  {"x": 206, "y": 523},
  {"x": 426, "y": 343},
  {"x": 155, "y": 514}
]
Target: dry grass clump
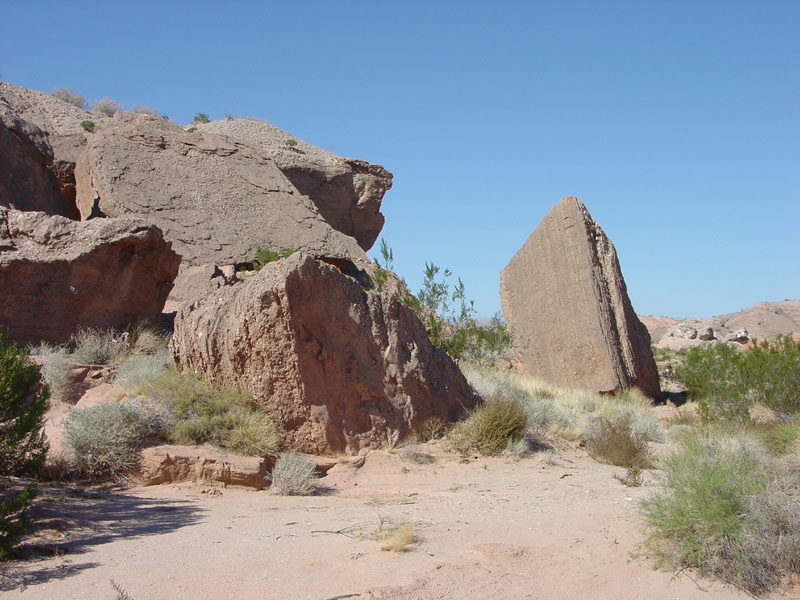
[
  {"x": 293, "y": 475},
  {"x": 396, "y": 538},
  {"x": 489, "y": 427},
  {"x": 98, "y": 346},
  {"x": 433, "y": 429},
  {"x": 614, "y": 441},
  {"x": 565, "y": 412}
]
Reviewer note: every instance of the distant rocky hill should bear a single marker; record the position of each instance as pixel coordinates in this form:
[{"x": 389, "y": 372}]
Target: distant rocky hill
[{"x": 762, "y": 321}]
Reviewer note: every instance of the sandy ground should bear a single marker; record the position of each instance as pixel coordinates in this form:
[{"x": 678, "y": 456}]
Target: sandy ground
[{"x": 552, "y": 525}]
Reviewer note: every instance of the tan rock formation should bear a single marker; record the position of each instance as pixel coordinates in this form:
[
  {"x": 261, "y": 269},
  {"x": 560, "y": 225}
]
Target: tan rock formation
[
  {"x": 337, "y": 367},
  {"x": 347, "y": 192},
  {"x": 564, "y": 297},
  {"x": 57, "y": 274},
  {"x": 59, "y": 124},
  {"x": 27, "y": 181},
  {"x": 215, "y": 199}
]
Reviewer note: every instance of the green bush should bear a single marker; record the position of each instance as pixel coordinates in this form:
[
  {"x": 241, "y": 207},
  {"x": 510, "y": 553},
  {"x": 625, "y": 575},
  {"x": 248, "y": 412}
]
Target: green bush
[
  {"x": 23, "y": 403},
  {"x": 201, "y": 118},
  {"x": 264, "y": 256},
  {"x": 490, "y": 427},
  {"x": 726, "y": 382},
  {"x": 88, "y": 126},
  {"x": 102, "y": 441},
  {"x": 726, "y": 510},
  {"x": 293, "y": 475},
  {"x": 23, "y": 447}
]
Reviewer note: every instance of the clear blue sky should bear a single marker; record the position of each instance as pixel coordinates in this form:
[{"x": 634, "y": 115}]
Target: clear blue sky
[{"x": 676, "y": 122}]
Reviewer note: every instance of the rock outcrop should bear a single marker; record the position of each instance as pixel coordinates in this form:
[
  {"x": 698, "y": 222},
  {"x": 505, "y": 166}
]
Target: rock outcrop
[
  {"x": 54, "y": 127},
  {"x": 215, "y": 199},
  {"x": 762, "y": 321},
  {"x": 564, "y": 297},
  {"x": 347, "y": 192},
  {"x": 339, "y": 368},
  {"x": 26, "y": 179},
  {"x": 57, "y": 274}
]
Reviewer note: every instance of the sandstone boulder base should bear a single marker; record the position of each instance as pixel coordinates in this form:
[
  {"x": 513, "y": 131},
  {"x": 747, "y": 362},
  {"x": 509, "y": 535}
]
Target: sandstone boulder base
[
  {"x": 347, "y": 192},
  {"x": 564, "y": 297},
  {"x": 339, "y": 368},
  {"x": 57, "y": 274}
]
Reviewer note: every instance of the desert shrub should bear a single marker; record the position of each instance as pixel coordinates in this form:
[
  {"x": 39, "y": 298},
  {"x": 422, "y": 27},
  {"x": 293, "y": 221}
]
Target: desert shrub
[
  {"x": 432, "y": 429},
  {"x": 488, "y": 429},
  {"x": 57, "y": 367},
  {"x": 292, "y": 475},
  {"x": 291, "y": 143},
  {"x": 726, "y": 382},
  {"x": 98, "y": 346},
  {"x": 68, "y": 95},
  {"x": 145, "y": 110},
  {"x": 102, "y": 441},
  {"x": 779, "y": 438},
  {"x": 544, "y": 414},
  {"x": 448, "y": 316},
  {"x": 201, "y": 118},
  {"x": 726, "y": 510},
  {"x": 631, "y": 478},
  {"x": 678, "y": 431},
  {"x": 23, "y": 447},
  {"x": 148, "y": 340},
  {"x": 87, "y": 125},
  {"x": 615, "y": 442},
  {"x": 136, "y": 373},
  {"x": 23, "y": 403},
  {"x": 204, "y": 413},
  {"x": 107, "y": 107}
]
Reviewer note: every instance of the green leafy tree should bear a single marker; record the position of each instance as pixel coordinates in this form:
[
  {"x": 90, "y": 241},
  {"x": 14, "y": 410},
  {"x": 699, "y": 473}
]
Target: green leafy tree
[
  {"x": 23, "y": 446},
  {"x": 201, "y": 118}
]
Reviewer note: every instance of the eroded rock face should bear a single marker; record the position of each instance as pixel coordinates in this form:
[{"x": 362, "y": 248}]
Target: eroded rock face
[
  {"x": 54, "y": 128},
  {"x": 347, "y": 192},
  {"x": 57, "y": 274},
  {"x": 564, "y": 297},
  {"x": 216, "y": 200},
  {"x": 337, "y": 367}
]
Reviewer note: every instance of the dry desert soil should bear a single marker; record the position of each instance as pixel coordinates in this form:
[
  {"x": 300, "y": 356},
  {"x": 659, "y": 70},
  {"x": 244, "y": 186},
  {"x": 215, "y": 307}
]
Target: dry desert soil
[{"x": 554, "y": 524}]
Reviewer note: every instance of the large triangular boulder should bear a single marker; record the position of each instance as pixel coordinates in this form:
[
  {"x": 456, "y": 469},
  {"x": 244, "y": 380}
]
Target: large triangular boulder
[
  {"x": 57, "y": 274},
  {"x": 565, "y": 299},
  {"x": 338, "y": 367}
]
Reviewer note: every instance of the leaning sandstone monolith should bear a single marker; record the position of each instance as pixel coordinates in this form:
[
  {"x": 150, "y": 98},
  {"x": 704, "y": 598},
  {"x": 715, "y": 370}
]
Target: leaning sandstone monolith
[
  {"x": 338, "y": 367},
  {"x": 564, "y": 297},
  {"x": 57, "y": 274}
]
